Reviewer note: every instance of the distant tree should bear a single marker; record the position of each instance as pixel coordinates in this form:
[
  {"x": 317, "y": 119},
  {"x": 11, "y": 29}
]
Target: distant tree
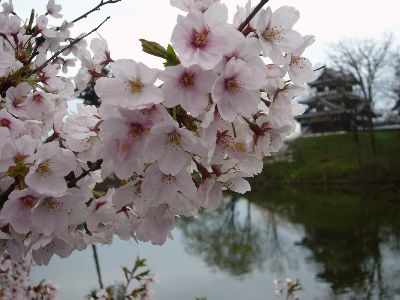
[
  {"x": 89, "y": 95},
  {"x": 224, "y": 241},
  {"x": 367, "y": 60},
  {"x": 396, "y": 87}
]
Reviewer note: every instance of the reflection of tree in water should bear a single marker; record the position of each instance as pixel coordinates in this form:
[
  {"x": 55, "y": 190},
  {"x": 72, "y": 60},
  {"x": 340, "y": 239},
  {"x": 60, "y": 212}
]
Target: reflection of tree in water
[
  {"x": 346, "y": 233},
  {"x": 225, "y": 240},
  {"x": 280, "y": 253}
]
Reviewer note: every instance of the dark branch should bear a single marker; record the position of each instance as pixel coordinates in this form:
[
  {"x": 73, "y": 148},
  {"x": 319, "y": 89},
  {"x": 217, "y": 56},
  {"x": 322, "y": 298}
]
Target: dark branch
[
  {"x": 97, "y": 264},
  {"x": 5, "y": 194},
  {"x": 252, "y": 14},
  {"x": 320, "y": 68},
  {"x": 92, "y": 167},
  {"x": 55, "y": 55},
  {"x": 102, "y": 3}
]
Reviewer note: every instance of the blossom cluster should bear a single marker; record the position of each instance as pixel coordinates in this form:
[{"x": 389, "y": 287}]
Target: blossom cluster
[
  {"x": 16, "y": 284},
  {"x": 288, "y": 288},
  {"x": 138, "y": 285},
  {"x": 174, "y": 138}
]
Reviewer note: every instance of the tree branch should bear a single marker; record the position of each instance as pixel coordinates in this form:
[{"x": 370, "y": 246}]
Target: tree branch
[
  {"x": 93, "y": 167},
  {"x": 97, "y": 264},
  {"x": 55, "y": 55},
  {"x": 5, "y": 194},
  {"x": 102, "y": 3},
  {"x": 252, "y": 14}
]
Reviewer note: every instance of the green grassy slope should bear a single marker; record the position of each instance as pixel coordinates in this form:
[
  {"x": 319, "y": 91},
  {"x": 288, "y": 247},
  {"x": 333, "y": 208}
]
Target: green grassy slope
[{"x": 333, "y": 159}]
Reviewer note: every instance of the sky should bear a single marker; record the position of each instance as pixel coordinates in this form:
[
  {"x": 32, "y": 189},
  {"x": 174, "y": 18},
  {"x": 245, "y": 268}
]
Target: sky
[{"x": 154, "y": 20}]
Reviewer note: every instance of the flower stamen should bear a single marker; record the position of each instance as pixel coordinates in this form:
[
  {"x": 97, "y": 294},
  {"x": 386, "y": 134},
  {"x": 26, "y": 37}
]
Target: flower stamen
[
  {"x": 187, "y": 79},
  {"x": 28, "y": 201},
  {"x": 200, "y": 38},
  {"x": 136, "y": 86},
  {"x": 44, "y": 168},
  {"x": 174, "y": 138},
  {"x": 5, "y": 123},
  {"x": 232, "y": 85}
]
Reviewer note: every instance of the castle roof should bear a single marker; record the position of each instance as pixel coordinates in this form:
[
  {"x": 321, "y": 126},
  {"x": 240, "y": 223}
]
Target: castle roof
[{"x": 330, "y": 76}]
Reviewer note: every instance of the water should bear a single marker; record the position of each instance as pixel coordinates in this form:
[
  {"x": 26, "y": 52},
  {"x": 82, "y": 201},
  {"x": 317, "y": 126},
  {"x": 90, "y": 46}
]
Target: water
[{"x": 341, "y": 244}]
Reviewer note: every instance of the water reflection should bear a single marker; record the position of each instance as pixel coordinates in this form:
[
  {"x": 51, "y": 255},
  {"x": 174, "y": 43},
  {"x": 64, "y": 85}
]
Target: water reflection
[
  {"x": 350, "y": 238},
  {"x": 226, "y": 239}
]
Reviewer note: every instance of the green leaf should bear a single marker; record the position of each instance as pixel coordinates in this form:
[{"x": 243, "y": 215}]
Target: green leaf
[
  {"x": 140, "y": 263},
  {"x": 172, "y": 58},
  {"x": 126, "y": 273},
  {"x": 143, "y": 274},
  {"x": 156, "y": 49},
  {"x": 153, "y": 48}
]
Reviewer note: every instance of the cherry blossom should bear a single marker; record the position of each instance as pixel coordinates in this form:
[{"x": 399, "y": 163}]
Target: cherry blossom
[
  {"x": 18, "y": 209},
  {"x": 236, "y": 91},
  {"x": 204, "y": 38},
  {"x": 275, "y": 33},
  {"x": 17, "y": 151},
  {"x": 52, "y": 163},
  {"x": 134, "y": 83},
  {"x": 53, "y": 9},
  {"x": 16, "y": 99},
  {"x": 15, "y": 126},
  {"x": 171, "y": 147},
  {"x": 190, "y": 5},
  {"x": 300, "y": 68},
  {"x": 188, "y": 87},
  {"x": 170, "y": 140}
]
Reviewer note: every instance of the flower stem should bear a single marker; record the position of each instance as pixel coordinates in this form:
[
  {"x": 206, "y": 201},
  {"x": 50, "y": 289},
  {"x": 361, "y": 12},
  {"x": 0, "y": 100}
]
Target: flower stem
[
  {"x": 97, "y": 264},
  {"x": 102, "y": 3},
  {"x": 55, "y": 55}
]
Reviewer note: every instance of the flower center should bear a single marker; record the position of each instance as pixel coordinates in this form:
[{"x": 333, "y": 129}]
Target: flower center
[
  {"x": 240, "y": 147},
  {"x": 168, "y": 179},
  {"x": 232, "y": 85},
  {"x": 28, "y": 201},
  {"x": 125, "y": 147},
  {"x": 138, "y": 188},
  {"x": 44, "y": 168},
  {"x": 187, "y": 79},
  {"x": 136, "y": 86},
  {"x": 199, "y": 38},
  {"x": 174, "y": 138},
  {"x": 100, "y": 204},
  {"x": 17, "y": 102},
  {"x": 19, "y": 157},
  {"x": 135, "y": 130},
  {"x": 224, "y": 139},
  {"x": 38, "y": 99},
  {"x": 90, "y": 141},
  {"x": 272, "y": 34},
  {"x": 51, "y": 204},
  {"x": 5, "y": 123},
  {"x": 298, "y": 61}
]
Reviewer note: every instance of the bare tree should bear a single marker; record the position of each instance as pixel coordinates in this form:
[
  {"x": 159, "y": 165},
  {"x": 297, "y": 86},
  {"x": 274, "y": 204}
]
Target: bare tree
[
  {"x": 367, "y": 60},
  {"x": 396, "y": 85}
]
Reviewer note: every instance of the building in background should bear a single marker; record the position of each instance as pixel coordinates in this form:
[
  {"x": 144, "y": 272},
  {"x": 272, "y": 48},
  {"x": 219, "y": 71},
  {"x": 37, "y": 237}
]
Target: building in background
[{"x": 333, "y": 104}]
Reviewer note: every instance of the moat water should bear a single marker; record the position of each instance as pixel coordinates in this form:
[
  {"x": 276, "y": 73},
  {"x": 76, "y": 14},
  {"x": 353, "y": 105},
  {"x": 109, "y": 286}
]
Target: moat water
[{"x": 340, "y": 244}]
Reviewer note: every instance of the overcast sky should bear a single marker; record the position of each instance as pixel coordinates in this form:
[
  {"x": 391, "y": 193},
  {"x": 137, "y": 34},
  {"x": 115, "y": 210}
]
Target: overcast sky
[{"x": 155, "y": 20}]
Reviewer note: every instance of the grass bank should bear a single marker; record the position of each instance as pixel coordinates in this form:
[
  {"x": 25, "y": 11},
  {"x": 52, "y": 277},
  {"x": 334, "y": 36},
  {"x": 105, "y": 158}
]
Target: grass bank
[{"x": 333, "y": 160}]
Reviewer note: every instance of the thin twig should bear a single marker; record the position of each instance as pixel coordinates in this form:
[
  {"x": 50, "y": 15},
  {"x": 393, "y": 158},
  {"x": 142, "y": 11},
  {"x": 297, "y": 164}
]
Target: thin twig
[
  {"x": 97, "y": 264},
  {"x": 55, "y": 55},
  {"x": 252, "y": 14},
  {"x": 95, "y": 166},
  {"x": 102, "y": 3},
  {"x": 5, "y": 194},
  {"x": 320, "y": 68}
]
